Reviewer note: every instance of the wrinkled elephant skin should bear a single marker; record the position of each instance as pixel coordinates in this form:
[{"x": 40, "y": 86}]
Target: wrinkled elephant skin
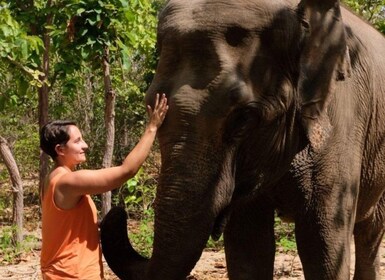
[{"x": 274, "y": 107}]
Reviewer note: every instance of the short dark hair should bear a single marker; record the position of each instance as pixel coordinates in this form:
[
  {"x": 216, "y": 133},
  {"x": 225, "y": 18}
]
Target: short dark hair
[{"x": 54, "y": 133}]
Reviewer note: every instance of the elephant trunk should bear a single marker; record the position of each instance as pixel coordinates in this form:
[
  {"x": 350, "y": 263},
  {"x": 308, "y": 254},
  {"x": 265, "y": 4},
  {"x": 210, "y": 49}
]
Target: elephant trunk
[
  {"x": 123, "y": 260},
  {"x": 184, "y": 218},
  {"x": 184, "y": 214}
]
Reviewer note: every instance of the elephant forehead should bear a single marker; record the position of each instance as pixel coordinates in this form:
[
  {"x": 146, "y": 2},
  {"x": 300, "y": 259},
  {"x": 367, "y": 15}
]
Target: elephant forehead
[{"x": 187, "y": 16}]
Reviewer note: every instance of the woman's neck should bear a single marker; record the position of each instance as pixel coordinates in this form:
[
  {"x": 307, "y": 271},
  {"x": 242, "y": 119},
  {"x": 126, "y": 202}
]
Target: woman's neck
[{"x": 65, "y": 167}]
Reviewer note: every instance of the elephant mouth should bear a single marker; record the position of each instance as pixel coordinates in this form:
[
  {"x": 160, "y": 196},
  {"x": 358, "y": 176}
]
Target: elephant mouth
[{"x": 264, "y": 145}]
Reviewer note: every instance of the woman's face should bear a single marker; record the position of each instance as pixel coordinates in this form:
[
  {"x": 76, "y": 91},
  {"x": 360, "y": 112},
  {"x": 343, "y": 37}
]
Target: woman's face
[{"x": 74, "y": 150}]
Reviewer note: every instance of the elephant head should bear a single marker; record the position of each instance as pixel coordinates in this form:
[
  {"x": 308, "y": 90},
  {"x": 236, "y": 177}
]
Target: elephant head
[{"x": 247, "y": 83}]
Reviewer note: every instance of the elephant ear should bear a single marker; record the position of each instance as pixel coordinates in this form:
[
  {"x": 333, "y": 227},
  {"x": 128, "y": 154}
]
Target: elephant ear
[{"x": 324, "y": 60}]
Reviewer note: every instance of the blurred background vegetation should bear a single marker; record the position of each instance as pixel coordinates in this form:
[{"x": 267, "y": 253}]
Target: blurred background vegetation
[{"x": 77, "y": 32}]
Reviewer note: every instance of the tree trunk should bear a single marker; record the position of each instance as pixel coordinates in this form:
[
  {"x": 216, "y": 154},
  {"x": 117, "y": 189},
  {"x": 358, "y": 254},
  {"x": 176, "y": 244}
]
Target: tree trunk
[
  {"x": 43, "y": 100},
  {"x": 86, "y": 103},
  {"x": 109, "y": 120},
  {"x": 17, "y": 190}
]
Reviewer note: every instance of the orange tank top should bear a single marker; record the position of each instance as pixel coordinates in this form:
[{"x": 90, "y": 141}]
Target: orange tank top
[{"x": 70, "y": 239}]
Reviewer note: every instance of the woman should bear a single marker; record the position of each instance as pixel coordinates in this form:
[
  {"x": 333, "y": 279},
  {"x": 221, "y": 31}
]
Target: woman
[{"x": 70, "y": 238}]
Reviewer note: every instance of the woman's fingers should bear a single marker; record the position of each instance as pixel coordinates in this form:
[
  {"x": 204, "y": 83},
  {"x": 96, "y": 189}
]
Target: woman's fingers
[
  {"x": 158, "y": 113},
  {"x": 156, "y": 101}
]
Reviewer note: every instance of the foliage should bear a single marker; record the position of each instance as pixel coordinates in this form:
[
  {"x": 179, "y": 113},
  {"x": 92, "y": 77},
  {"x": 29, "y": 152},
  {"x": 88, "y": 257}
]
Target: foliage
[
  {"x": 6, "y": 245},
  {"x": 5, "y": 204},
  {"x": 125, "y": 27},
  {"x": 373, "y": 11},
  {"x": 139, "y": 192},
  {"x": 9, "y": 253},
  {"x": 15, "y": 43},
  {"x": 215, "y": 244},
  {"x": 143, "y": 239},
  {"x": 284, "y": 235},
  {"x": 22, "y": 137},
  {"x": 17, "y": 50}
]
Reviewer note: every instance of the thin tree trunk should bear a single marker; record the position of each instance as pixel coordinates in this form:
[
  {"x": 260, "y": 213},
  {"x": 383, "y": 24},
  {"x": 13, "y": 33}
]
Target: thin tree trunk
[
  {"x": 87, "y": 104},
  {"x": 43, "y": 100},
  {"x": 109, "y": 119},
  {"x": 17, "y": 190}
]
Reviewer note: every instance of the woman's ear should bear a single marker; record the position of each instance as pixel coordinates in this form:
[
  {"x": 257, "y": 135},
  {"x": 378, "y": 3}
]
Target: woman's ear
[
  {"x": 59, "y": 149},
  {"x": 323, "y": 61}
]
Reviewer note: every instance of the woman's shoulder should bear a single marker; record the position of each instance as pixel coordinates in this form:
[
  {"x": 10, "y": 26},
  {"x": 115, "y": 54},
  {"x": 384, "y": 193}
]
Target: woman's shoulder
[
  {"x": 51, "y": 179},
  {"x": 55, "y": 175},
  {"x": 59, "y": 170}
]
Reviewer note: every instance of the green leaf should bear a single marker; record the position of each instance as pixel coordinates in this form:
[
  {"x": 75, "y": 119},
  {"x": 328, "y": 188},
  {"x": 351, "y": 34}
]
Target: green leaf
[
  {"x": 24, "y": 49},
  {"x": 91, "y": 22},
  {"x": 124, "y": 3},
  {"x": 80, "y": 11},
  {"x": 13, "y": 99},
  {"x": 84, "y": 53},
  {"x": 83, "y": 32},
  {"x": 6, "y": 30},
  {"x": 90, "y": 41},
  {"x": 126, "y": 62}
]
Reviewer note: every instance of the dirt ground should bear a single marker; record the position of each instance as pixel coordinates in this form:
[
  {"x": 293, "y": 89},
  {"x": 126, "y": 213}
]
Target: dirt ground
[{"x": 212, "y": 265}]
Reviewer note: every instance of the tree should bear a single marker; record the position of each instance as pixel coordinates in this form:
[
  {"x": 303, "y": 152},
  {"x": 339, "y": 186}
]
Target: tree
[
  {"x": 37, "y": 17},
  {"x": 52, "y": 57},
  {"x": 17, "y": 190},
  {"x": 103, "y": 32},
  {"x": 16, "y": 48},
  {"x": 372, "y": 10}
]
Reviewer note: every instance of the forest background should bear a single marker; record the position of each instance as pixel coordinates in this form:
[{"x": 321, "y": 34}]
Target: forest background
[{"x": 91, "y": 62}]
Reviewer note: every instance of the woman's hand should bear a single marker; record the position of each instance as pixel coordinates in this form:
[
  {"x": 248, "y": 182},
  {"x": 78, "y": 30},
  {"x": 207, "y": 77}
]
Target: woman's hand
[{"x": 157, "y": 115}]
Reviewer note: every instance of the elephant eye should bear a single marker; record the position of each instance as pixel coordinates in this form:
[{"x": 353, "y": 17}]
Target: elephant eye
[{"x": 236, "y": 35}]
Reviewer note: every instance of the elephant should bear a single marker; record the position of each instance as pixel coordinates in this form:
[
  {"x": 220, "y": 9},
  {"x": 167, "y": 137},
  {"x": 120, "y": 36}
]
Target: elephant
[{"x": 274, "y": 107}]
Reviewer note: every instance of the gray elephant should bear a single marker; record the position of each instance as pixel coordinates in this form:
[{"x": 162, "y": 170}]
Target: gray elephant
[{"x": 273, "y": 106}]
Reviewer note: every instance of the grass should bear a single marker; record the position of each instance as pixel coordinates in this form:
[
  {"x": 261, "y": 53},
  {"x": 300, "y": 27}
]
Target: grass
[
  {"x": 142, "y": 238},
  {"x": 10, "y": 252}
]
